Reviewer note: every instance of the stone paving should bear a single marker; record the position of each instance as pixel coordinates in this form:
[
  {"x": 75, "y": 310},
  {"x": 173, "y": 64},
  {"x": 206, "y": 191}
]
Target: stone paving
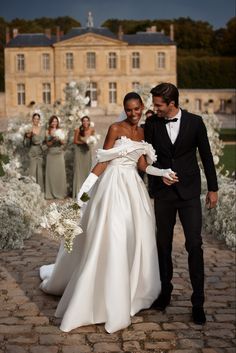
[{"x": 27, "y": 323}]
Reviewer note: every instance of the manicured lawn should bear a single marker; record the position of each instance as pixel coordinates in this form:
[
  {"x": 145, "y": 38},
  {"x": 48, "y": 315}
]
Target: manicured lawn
[{"x": 229, "y": 158}]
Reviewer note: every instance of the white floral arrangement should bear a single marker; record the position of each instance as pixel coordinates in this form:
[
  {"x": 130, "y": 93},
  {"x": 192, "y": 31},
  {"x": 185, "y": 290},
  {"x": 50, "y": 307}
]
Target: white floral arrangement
[
  {"x": 221, "y": 221},
  {"x": 21, "y": 205},
  {"x": 91, "y": 140},
  {"x": 63, "y": 222},
  {"x": 60, "y": 134}
]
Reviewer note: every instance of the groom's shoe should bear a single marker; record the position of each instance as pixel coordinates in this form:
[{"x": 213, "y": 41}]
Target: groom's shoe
[
  {"x": 199, "y": 317},
  {"x": 161, "y": 302}
]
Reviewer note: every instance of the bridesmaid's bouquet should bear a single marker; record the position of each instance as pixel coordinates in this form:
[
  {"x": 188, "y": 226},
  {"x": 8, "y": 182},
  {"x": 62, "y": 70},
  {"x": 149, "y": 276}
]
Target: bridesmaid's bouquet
[
  {"x": 91, "y": 140},
  {"x": 60, "y": 134},
  {"x": 63, "y": 222}
]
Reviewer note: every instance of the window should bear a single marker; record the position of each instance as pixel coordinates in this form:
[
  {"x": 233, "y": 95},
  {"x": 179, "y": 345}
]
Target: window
[
  {"x": 92, "y": 91},
  {"x": 69, "y": 61},
  {"x": 46, "y": 62},
  {"x": 135, "y": 60},
  {"x": 135, "y": 86},
  {"x": 91, "y": 60},
  {"x": 198, "y": 105},
  {"x": 222, "y": 105},
  {"x": 20, "y": 94},
  {"x": 112, "y": 61},
  {"x": 161, "y": 60},
  {"x": 46, "y": 93},
  {"x": 112, "y": 92},
  {"x": 20, "y": 62}
]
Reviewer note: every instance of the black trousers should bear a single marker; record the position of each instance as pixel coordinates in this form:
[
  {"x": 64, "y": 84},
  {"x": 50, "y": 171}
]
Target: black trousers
[{"x": 190, "y": 215}]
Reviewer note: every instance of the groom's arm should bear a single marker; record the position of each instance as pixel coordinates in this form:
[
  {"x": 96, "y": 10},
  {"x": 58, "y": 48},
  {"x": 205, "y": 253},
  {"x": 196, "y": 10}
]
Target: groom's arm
[{"x": 206, "y": 157}]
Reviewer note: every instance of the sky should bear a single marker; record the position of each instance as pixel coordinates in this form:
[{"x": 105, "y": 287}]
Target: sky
[{"x": 216, "y": 12}]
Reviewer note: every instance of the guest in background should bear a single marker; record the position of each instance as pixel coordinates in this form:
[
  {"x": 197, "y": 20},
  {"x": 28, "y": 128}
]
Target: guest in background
[
  {"x": 34, "y": 139},
  {"x": 55, "y": 173},
  {"x": 83, "y": 153}
]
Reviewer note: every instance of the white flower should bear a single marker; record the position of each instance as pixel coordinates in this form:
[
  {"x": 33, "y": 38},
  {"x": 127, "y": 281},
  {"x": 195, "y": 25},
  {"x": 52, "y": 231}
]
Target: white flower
[
  {"x": 62, "y": 221},
  {"x": 216, "y": 159},
  {"x": 91, "y": 140},
  {"x": 60, "y": 134},
  {"x": 72, "y": 84}
]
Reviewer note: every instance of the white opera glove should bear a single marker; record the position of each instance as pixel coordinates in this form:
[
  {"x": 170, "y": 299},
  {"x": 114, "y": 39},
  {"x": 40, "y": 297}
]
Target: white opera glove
[
  {"x": 166, "y": 173},
  {"x": 86, "y": 186}
]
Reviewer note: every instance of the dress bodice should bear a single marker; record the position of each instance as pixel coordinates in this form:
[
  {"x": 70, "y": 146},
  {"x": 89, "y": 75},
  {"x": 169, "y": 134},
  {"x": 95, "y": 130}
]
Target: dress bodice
[{"x": 126, "y": 152}]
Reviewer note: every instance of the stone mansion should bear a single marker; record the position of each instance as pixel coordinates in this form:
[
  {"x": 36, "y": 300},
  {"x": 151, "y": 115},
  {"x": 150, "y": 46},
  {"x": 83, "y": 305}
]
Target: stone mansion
[{"x": 39, "y": 66}]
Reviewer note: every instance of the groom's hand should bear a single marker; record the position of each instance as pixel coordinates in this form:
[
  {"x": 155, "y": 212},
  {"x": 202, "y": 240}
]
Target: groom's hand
[
  {"x": 169, "y": 182},
  {"x": 211, "y": 199}
]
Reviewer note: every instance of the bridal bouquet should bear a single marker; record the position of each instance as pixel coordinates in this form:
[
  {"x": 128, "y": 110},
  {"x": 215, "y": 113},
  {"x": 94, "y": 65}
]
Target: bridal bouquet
[{"x": 63, "y": 222}]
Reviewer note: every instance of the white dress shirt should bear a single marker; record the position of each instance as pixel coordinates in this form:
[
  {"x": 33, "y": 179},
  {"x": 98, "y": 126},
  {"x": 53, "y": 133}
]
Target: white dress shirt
[{"x": 173, "y": 128}]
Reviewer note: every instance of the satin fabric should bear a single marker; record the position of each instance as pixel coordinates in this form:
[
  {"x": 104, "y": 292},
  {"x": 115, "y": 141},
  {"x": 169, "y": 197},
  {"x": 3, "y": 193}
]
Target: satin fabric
[{"x": 113, "y": 271}]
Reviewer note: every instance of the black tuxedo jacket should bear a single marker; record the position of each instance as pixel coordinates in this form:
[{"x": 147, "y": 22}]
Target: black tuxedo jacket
[{"x": 181, "y": 156}]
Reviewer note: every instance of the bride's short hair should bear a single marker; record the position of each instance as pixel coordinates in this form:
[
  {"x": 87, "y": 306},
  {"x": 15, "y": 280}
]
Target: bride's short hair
[{"x": 132, "y": 95}]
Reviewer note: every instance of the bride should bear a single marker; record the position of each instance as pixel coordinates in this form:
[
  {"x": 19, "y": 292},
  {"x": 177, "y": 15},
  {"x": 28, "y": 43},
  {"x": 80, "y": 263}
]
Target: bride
[{"x": 112, "y": 272}]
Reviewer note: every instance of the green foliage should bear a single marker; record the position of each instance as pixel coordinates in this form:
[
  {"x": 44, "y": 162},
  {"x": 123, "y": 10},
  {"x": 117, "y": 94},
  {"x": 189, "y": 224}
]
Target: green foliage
[
  {"x": 3, "y": 160},
  {"x": 229, "y": 159},
  {"x": 191, "y": 34},
  {"x": 228, "y": 134},
  {"x": 39, "y": 25},
  {"x": 206, "y": 72}
]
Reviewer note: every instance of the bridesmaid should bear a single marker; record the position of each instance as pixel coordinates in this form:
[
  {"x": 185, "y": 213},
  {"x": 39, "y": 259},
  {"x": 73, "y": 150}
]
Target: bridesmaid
[
  {"x": 55, "y": 173},
  {"x": 34, "y": 140},
  {"x": 83, "y": 154}
]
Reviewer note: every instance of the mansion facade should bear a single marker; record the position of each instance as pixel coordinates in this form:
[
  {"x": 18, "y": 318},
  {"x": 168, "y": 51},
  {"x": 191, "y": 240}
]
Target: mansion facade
[{"x": 39, "y": 66}]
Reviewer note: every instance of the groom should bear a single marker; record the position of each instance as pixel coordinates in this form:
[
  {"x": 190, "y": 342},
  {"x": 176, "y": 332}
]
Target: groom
[{"x": 176, "y": 135}]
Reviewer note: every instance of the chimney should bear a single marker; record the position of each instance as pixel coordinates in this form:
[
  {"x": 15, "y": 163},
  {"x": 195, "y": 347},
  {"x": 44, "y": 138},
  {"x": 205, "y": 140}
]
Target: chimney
[
  {"x": 15, "y": 32},
  {"x": 58, "y": 34},
  {"x": 151, "y": 29},
  {"x": 48, "y": 33},
  {"x": 8, "y": 38},
  {"x": 172, "y": 32},
  {"x": 120, "y": 32}
]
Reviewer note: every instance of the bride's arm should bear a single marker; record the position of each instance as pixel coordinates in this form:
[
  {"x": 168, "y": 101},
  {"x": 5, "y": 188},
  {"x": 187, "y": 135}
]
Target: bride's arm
[
  {"x": 99, "y": 167},
  {"x": 110, "y": 139},
  {"x": 149, "y": 169}
]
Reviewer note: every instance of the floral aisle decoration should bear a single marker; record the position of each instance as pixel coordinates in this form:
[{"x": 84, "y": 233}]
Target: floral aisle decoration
[
  {"x": 219, "y": 222},
  {"x": 63, "y": 222},
  {"x": 75, "y": 105},
  {"x": 144, "y": 92},
  {"x": 21, "y": 205}
]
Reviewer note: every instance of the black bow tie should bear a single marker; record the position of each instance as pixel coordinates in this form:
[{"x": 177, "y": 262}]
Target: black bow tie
[{"x": 167, "y": 121}]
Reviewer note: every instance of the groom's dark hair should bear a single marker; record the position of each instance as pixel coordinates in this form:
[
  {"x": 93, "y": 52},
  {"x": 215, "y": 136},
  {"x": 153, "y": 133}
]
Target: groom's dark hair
[
  {"x": 132, "y": 95},
  {"x": 168, "y": 92}
]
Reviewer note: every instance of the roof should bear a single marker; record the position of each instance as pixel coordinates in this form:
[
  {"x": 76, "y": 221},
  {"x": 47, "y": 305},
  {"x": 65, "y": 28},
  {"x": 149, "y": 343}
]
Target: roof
[
  {"x": 41, "y": 40},
  {"x": 78, "y": 31},
  {"x": 31, "y": 40},
  {"x": 148, "y": 38}
]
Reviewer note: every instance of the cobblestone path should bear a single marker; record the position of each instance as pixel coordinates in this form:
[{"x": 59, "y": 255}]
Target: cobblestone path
[{"x": 27, "y": 323}]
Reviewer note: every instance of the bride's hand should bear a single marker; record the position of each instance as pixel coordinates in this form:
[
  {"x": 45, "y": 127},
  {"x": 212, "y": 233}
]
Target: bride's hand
[{"x": 168, "y": 181}]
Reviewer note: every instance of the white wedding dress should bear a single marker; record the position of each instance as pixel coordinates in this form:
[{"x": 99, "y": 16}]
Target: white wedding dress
[{"x": 113, "y": 271}]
